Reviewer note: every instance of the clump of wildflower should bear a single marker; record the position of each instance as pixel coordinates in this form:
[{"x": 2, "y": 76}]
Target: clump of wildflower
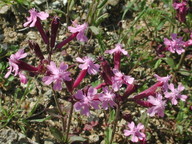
[
  {"x": 107, "y": 98},
  {"x": 117, "y": 51},
  {"x": 135, "y": 132},
  {"x": 80, "y": 29},
  {"x": 34, "y": 15},
  {"x": 86, "y": 100},
  {"x": 57, "y": 75},
  {"x": 175, "y": 44},
  {"x": 175, "y": 93},
  {"x": 165, "y": 81},
  {"x": 158, "y": 105},
  {"x": 88, "y": 64},
  {"x": 14, "y": 67},
  {"x": 119, "y": 79},
  {"x": 182, "y": 10}
]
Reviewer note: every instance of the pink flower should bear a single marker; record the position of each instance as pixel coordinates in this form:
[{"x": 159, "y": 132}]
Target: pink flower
[
  {"x": 57, "y": 76},
  {"x": 80, "y": 29},
  {"x": 86, "y": 100},
  {"x": 13, "y": 62},
  {"x": 119, "y": 79},
  {"x": 175, "y": 45},
  {"x": 107, "y": 98},
  {"x": 117, "y": 49},
  {"x": 135, "y": 132},
  {"x": 175, "y": 93},
  {"x": 33, "y": 17},
  {"x": 165, "y": 81},
  {"x": 158, "y": 105},
  {"x": 88, "y": 64},
  {"x": 181, "y": 10}
]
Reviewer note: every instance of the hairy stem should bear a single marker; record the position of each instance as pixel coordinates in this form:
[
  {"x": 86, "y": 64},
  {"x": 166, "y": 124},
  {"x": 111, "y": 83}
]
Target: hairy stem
[
  {"x": 115, "y": 123},
  {"x": 69, "y": 122},
  {"x": 60, "y": 111}
]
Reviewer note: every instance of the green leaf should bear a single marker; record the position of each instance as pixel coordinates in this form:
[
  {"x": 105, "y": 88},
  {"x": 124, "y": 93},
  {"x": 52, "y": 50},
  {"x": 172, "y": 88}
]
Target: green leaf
[
  {"x": 56, "y": 133},
  {"x": 157, "y": 64},
  {"x": 101, "y": 18},
  {"x": 111, "y": 115},
  {"x": 76, "y": 138},
  {"x": 41, "y": 120},
  {"x": 108, "y": 134},
  {"x": 95, "y": 30},
  {"x": 96, "y": 83},
  {"x": 170, "y": 62}
]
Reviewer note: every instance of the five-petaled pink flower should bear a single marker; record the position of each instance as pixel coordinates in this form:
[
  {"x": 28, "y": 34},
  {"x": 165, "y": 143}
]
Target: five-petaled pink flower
[
  {"x": 117, "y": 49},
  {"x": 107, "y": 98},
  {"x": 33, "y": 17},
  {"x": 86, "y": 100},
  {"x": 175, "y": 93},
  {"x": 13, "y": 65},
  {"x": 135, "y": 132},
  {"x": 165, "y": 81},
  {"x": 80, "y": 29},
  {"x": 119, "y": 79},
  {"x": 158, "y": 105},
  {"x": 88, "y": 64},
  {"x": 57, "y": 75},
  {"x": 175, "y": 44}
]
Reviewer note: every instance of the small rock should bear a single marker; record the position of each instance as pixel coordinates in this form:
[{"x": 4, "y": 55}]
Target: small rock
[
  {"x": 39, "y": 2},
  {"x": 94, "y": 138},
  {"x": 4, "y": 9}
]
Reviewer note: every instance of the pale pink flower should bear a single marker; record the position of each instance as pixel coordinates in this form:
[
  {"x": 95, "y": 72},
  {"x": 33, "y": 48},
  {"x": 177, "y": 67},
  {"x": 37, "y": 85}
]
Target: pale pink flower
[
  {"x": 119, "y": 79},
  {"x": 175, "y": 93},
  {"x": 86, "y": 100},
  {"x": 23, "y": 78},
  {"x": 13, "y": 60},
  {"x": 107, "y": 98},
  {"x": 57, "y": 76},
  {"x": 33, "y": 17},
  {"x": 117, "y": 49},
  {"x": 175, "y": 44},
  {"x": 165, "y": 81},
  {"x": 158, "y": 105},
  {"x": 88, "y": 64},
  {"x": 135, "y": 132},
  {"x": 80, "y": 29}
]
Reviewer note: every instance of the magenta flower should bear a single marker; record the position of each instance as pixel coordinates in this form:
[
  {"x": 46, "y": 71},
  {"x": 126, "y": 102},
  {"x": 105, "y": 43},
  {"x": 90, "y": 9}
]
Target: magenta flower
[
  {"x": 107, "y": 98},
  {"x": 119, "y": 79},
  {"x": 175, "y": 93},
  {"x": 135, "y": 132},
  {"x": 80, "y": 29},
  {"x": 86, "y": 100},
  {"x": 57, "y": 76},
  {"x": 117, "y": 51},
  {"x": 33, "y": 17},
  {"x": 181, "y": 10},
  {"x": 13, "y": 62},
  {"x": 165, "y": 81},
  {"x": 175, "y": 44},
  {"x": 158, "y": 105},
  {"x": 88, "y": 64}
]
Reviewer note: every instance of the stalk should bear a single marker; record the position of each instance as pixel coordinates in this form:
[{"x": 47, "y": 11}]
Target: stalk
[
  {"x": 69, "y": 122},
  {"x": 59, "y": 110},
  {"x": 115, "y": 123}
]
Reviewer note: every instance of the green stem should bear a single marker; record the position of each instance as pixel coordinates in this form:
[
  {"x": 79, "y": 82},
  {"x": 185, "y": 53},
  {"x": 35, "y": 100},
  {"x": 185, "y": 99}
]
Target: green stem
[
  {"x": 179, "y": 65},
  {"x": 115, "y": 123},
  {"x": 69, "y": 122},
  {"x": 60, "y": 111}
]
